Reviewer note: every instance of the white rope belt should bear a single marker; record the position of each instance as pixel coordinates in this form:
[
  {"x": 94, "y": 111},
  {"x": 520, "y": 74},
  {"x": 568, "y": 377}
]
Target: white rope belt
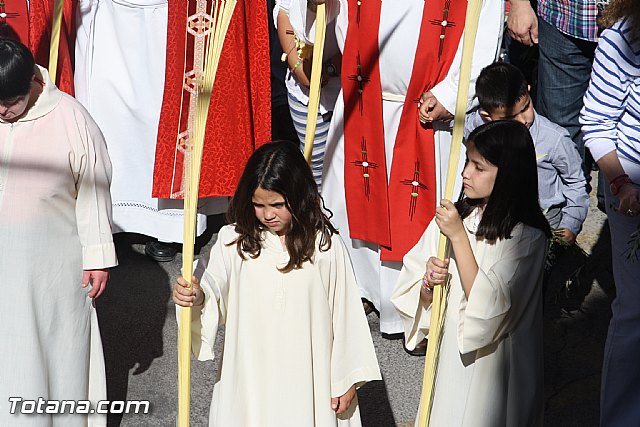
[{"x": 392, "y": 97}]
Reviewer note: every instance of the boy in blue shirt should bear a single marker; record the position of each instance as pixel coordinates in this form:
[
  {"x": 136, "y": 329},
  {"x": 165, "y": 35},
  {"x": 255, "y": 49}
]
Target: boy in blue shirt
[{"x": 503, "y": 94}]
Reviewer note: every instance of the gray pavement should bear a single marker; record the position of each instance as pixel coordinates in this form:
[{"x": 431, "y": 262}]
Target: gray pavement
[{"x": 137, "y": 321}]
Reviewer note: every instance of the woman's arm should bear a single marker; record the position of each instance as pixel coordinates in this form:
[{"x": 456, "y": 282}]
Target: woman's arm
[
  {"x": 628, "y": 194},
  {"x": 604, "y": 105},
  {"x": 299, "y": 67}
]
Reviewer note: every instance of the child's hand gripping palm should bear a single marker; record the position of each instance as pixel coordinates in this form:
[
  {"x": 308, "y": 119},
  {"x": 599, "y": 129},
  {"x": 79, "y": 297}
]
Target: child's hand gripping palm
[{"x": 186, "y": 297}]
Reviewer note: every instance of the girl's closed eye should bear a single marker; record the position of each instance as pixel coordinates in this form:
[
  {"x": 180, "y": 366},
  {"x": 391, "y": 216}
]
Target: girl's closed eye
[{"x": 479, "y": 175}]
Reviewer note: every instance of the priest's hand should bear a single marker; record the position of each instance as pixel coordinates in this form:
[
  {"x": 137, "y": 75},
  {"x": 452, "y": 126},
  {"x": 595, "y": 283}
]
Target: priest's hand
[
  {"x": 186, "y": 297},
  {"x": 449, "y": 221},
  {"x": 437, "y": 271},
  {"x": 522, "y": 22},
  {"x": 431, "y": 110},
  {"x": 98, "y": 280},
  {"x": 342, "y": 403}
]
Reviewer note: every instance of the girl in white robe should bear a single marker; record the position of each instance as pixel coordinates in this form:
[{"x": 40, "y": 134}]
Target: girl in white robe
[
  {"x": 490, "y": 369},
  {"x": 279, "y": 279}
]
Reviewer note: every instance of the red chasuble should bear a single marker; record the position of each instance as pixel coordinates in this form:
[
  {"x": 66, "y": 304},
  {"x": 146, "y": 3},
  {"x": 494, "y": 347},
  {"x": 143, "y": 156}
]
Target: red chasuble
[
  {"x": 394, "y": 214},
  {"x": 240, "y": 113},
  {"x": 33, "y": 29}
]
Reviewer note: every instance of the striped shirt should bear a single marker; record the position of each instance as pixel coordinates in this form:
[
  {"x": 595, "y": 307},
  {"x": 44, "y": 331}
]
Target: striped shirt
[
  {"x": 576, "y": 18},
  {"x": 610, "y": 117}
]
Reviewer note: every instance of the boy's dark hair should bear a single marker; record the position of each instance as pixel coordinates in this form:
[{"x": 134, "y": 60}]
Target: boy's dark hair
[
  {"x": 507, "y": 144},
  {"x": 16, "y": 69},
  {"x": 500, "y": 85},
  {"x": 280, "y": 167}
]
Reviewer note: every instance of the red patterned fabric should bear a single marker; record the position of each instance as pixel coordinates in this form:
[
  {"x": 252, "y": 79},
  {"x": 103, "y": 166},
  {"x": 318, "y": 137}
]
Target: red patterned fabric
[
  {"x": 394, "y": 214},
  {"x": 34, "y": 31},
  {"x": 14, "y": 24},
  {"x": 240, "y": 113}
]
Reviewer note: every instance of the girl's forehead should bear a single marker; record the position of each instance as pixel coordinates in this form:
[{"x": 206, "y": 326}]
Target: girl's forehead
[
  {"x": 474, "y": 155},
  {"x": 267, "y": 195},
  {"x": 472, "y": 151}
]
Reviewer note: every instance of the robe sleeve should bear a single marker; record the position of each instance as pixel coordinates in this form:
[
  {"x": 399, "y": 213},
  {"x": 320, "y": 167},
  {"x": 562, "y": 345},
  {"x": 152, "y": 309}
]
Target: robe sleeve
[
  {"x": 485, "y": 52},
  {"x": 353, "y": 358},
  {"x": 214, "y": 272},
  {"x": 406, "y": 295},
  {"x": 501, "y": 292},
  {"x": 303, "y": 19},
  {"x": 281, "y": 5},
  {"x": 92, "y": 167}
]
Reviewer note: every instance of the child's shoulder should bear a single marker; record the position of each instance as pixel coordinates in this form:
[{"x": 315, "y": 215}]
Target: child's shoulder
[
  {"x": 227, "y": 234},
  {"x": 548, "y": 128},
  {"x": 325, "y": 250},
  {"x": 527, "y": 232}
]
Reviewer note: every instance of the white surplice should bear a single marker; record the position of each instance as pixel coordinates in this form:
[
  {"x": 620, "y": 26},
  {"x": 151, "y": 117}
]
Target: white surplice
[
  {"x": 400, "y": 22},
  {"x": 54, "y": 223},
  {"x": 292, "y": 340},
  {"x": 119, "y": 78},
  {"x": 490, "y": 369}
]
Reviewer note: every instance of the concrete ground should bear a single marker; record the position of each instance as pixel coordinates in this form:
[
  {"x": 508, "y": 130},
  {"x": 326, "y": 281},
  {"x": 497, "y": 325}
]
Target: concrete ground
[{"x": 139, "y": 332}]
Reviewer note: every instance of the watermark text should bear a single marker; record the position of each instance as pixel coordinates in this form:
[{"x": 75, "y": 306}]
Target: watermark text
[{"x": 43, "y": 406}]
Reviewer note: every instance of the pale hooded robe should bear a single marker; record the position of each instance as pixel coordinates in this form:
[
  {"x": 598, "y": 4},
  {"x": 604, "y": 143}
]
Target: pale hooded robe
[
  {"x": 292, "y": 340},
  {"x": 490, "y": 369},
  {"x": 55, "y": 211}
]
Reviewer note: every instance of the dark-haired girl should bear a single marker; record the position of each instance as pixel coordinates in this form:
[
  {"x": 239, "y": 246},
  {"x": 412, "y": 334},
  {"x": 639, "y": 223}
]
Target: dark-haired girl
[
  {"x": 296, "y": 340},
  {"x": 490, "y": 366}
]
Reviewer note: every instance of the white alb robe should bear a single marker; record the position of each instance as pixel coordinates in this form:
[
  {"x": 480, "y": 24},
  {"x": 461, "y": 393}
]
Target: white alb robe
[
  {"x": 490, "y": 370},
  {"x": 54, "y": 223},
  {"x": 119, "y": 78},
  {"x": 398, "y": 39},
  {"x": 292, "y": 340}
]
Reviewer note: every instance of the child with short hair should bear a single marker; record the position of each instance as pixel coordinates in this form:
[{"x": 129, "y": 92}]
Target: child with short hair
[
  {"x": 490, "y": 366},
  {"x": 503, "y": 93},
  {"x": 297, "y": 343},
  {"x": 55, "y": 229}
]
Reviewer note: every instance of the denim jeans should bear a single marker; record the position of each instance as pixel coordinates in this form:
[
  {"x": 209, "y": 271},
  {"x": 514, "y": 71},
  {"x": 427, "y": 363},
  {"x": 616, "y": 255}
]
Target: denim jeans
[
  {"x": 564, "y": 71},
  {"x": 620, "y": 392}
]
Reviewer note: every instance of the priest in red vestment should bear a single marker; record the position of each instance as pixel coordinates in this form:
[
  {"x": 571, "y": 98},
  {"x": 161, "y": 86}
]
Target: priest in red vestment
[
  {"x": 31, "y": 25},
  {"x": 134, "y": 73},
  {"x": 384, "y": 169},
  {"x": 240, "y": 113}
]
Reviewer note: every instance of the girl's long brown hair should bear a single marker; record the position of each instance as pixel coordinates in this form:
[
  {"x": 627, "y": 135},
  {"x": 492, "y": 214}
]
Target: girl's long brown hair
[{"x": 280, "y": 167}]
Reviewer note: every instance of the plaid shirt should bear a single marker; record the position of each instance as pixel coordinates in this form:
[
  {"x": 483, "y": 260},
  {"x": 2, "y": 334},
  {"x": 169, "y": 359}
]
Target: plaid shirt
[{"x": 576, "y": 18}]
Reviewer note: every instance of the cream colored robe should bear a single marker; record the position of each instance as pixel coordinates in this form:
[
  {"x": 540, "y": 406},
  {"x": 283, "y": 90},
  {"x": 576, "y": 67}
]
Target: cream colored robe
[
  {"x": 54, "y": 222},
  {"x": 292, "y": 340},
  {"x": 490, "y": 372}
]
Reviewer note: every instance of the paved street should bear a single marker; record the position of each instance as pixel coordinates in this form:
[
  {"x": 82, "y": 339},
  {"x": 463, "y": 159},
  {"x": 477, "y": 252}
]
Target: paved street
[{"x": 139, "y": 334}]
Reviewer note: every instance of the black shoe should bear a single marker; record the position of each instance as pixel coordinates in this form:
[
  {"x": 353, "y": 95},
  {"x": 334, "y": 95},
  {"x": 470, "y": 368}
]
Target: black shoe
[
  {"x": 160, "y": 252},
  {"x": 368, "y": 307},
  {"x": 420, "y": 350},
  {"x": 397, "y": 336}
]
